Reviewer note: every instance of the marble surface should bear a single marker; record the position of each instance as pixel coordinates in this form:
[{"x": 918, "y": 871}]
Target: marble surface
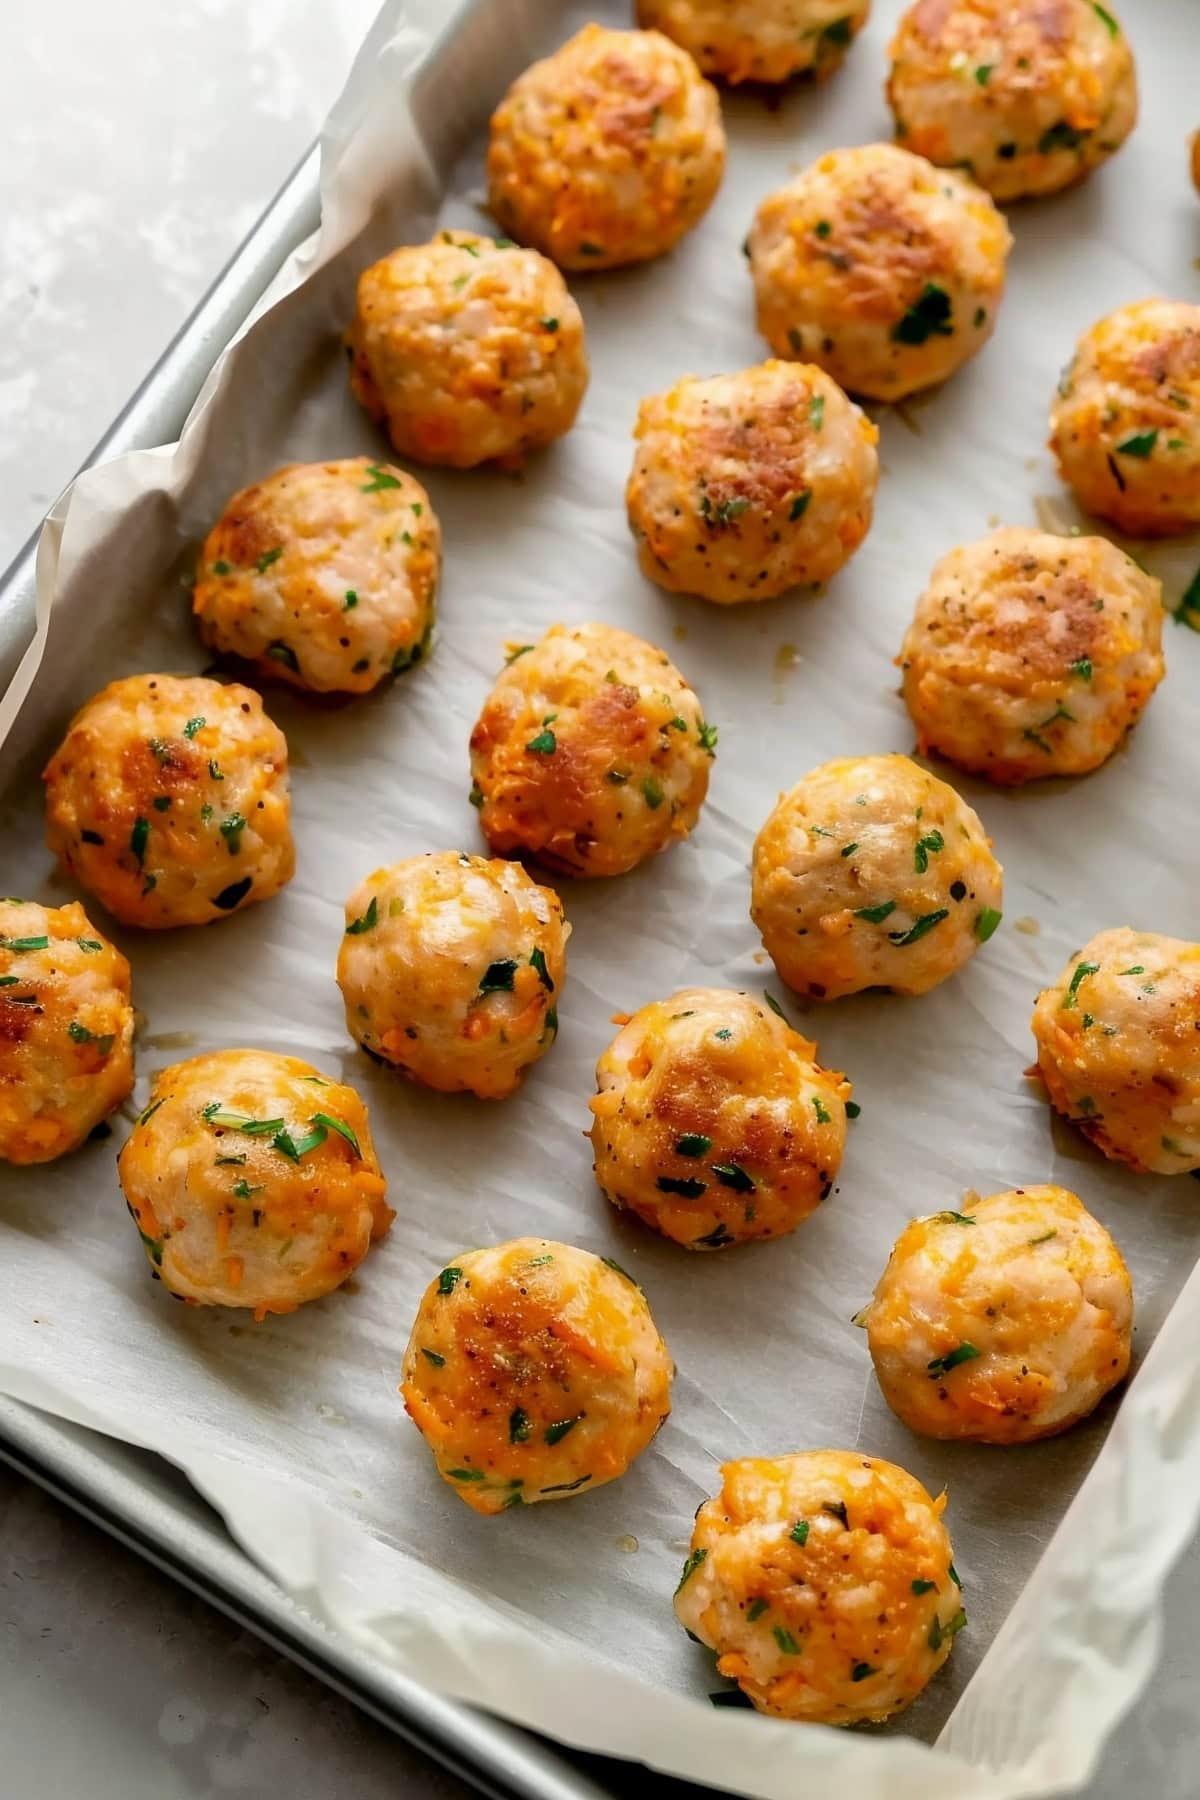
[{"x": 141, "y": 141}]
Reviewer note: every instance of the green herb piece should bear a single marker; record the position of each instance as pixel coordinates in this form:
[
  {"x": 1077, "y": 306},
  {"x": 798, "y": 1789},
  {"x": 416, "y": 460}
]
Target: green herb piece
[
  {"x": 79, "y": 1034},
  {"x": 799, "y": 505},
  {"x": 538, "y": 1262},
  {"x": 439, "y": 1362},
  {"x": 652, "y": 792},
  {"x": 148, "y": 1112},
  {"x": 824, "y": 1117},
  {"x": 295, "y": 1148},
  {"x": 954, "y": 1576},
  {"x": 923, "y": 1587},
  {"x": 138, "y": 838},
  {"x": 214, "y": 771},
  {"x": 983, "y": 73},
  {"x": 724, "y": 512},
  {"x": 861, "y": 1670},
  {"x": 732, "y": 1175},
  {"x": 837, "y": 34},
  {"x": 919, "y": 929},
  {"x": 234, "y": 894},
  {"x": 686, "y": 1186},
  {"x": 161, "y": 802},
  {"x": 799, "y": 1533},
  {"x": 466, "y": 1474},
  {"x": 193, "y": 726},
  {"x": 267, "y": 558},
  {"x": 1061, "y": 136},
  {"x": 986, "y": 923},
  {"x": 618, "y": 1270},
  {"x": 822, "y": 228},
  {"x": 350, "y": 601},
  {"x": 380, "y": 478},
  {"x": 1044, "y": 1239},
  {"x": 1188, "y": 610},
  {"x": 675, "y": 724},
  {"x": 816, "y": 413},
  {"x": 951, "y": 1218},
  {"x": 537, "y": 960},
  {"x": 837, "y": 1510},
  {"x": 550, "y": 1022},
  {"x": 476, "y": 795},
  {"x": 1080, "y": 974},
  {"x": 570, "y": 1487},
  {"x": 152, "y": 1246},
  {"x": 1082, "y": 666},
  {"x": 853, "y": 1109},
  {"x": 586, "y": 249},
  {"x": 556, "y": 1431},
  {"x": 497, "y": 978},
  {"x": 757, "y": 1608},
  {"x": 930, "y": 317},
  {"x": 519, "y": 1425},
  {"x": 1113, "y": 27},
  {"x": 930, "y": 844},
  {"x": 715, "y": 1239},
  {"x": 244, "y": 1189},
  {"x": 217, "y": 1114},
  {"x": 339, "y": 1125},
  {"x": 774, "y": 1005},
  {"x": 236, "y": 1162},
  {"x": 1141, "y": 444},
  {"x": 693, "y": 1143},
  {"x": 548, "y": 324},
  {"x": 708, "y": 733},
  {"x": 9, "y": 980},
  {"x": 17, "y": 945},
  {"x": 231, "y": 830},
  {"x": 161, "y": 749},
  {"x": 449, "y": 1279},
  {"x": 875, "y": 915},
  {"x": 942, "y": 1365},
  {"x": 850, "y": 849},
  {"x": 938, "y": 1633},
  {"x": 222, "y": 568},
  {"x": 366, "y": 921},
  {"x": 544, "y": 744},
  {"x": 521, "y": 650},
  {"x": 785, "y": 1640},
  {"x": 283, "y": 653},
  {"x": 695, "y": 1558}
]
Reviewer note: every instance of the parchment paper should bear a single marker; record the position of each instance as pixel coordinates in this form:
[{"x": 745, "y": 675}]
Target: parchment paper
[{"x": 294, "y": 1428}]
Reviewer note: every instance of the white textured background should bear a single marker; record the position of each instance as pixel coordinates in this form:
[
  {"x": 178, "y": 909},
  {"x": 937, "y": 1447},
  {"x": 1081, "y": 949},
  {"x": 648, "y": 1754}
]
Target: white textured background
[{"x": 140, "y": 141}]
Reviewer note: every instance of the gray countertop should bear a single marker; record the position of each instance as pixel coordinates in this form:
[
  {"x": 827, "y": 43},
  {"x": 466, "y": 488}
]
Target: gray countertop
[{"x": 141, "y": 141}]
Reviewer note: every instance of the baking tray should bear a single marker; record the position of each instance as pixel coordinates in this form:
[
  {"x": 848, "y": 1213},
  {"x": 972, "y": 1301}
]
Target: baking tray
[{"x": 138, "y": 1497}]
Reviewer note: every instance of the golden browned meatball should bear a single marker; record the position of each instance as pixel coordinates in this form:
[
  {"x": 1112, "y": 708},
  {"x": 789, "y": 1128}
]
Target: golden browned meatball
[
  {"x": 1005, "y": 1322},
  {"x": 168, "y": 800},
  {"x": 1125, "y": 422},
  {"x": 1032, "y": 655},
  {"x": 1118, "y": 1038},
  {"x": 879, "y": 267},
  {"x": 873, "y": 873},
  {"x": 606, "y": 152},
  {"x": 591, "y": 752},
  {"x": 746, "y": 485},
  {"x": 451, "y": 968},
  {"x": 66, "y": 1030},
  {"x": 823, "y": 1582},
  {"x": 324, "y": 574},
  {"x": 713, "y": 1122},
  {"x": 760, "y": 40},
  {"x": 534, "y": 1371},
  {"x": 253, "y": 1181},
  {"x": 1027, "y": 95},
  {"x": 468, "y": 349}
]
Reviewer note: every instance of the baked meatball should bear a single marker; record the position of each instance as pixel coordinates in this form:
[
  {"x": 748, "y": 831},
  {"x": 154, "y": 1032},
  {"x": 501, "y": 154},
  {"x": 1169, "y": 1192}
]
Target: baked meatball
[
  {"x": 1118, "y": 1041},
  {"x": 1032, "y": 655},
  {"x": 873, "y": 873},
  {"x": 468, "y": 349},
  {"x": 591, "y": 752},
  {"x": 253, "y": 1181},
  {"x": 451, "y": 967},
  {"x": 324, "y": 574},
  {"x": 1125, "y": 422},
  {"x": 66, "y": 1030},
  {"x": 824, "y": 1583},
  {"x": 879, "y": 267},
  {"x": 1006, "y": 1322},
  {"x": 760, "y": 40},
  {"x": 606, "y": 152},
  {"x": 746, "y": 485},
  {"x": 168, "y": 800},
  {"x": 713, "y": 1122},
  {"x": 534, "y": 1371},
  {"x": 1027, "y": 95}
]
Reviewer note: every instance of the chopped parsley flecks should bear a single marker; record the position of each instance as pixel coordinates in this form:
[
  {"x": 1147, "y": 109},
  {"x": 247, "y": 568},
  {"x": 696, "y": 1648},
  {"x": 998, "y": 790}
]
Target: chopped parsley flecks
[
  {"x": 919, "y": 928},
  {"x": 850, "y": 849},
  {"x": 732, "y": 1175},
  {"x": 853, "y": 1109},
  {"x": 17, "y": 945},
  {"x": 214, "y": 771},
  {"x": 1043, "y": 1239},
  {"x": 774, "y": 1005},
  {"x": 138, "y": 838},
  {"x": 724, "y": 512},
  {"x": 1106, "y": 18},
  {"x": 816, "y": 411},
  {"x": 686, "y": 1186},
  {"x": 449, "y": 1279},
  {"x": 983, "y": 73},
  {"x": 79, "y": 1034},
  {"x": 193, "y": 726},
  {"x": 708, "y": 733},
  {"x": 558, "y": 1428},
  {"x": 161, "y": 802},
  {"x": 521, "y": 650},
  {"x": 1079, "y": 974},
  {"x": 544, "y": 743},
  {"x": 222, "y": 568},
  {"x": 245, "y": 1190},
  {"x": 283, "y": 653},
  {"x": 942, "y": 1365},
  {"x": 231, "y": 830},
  {"x": 875, "y": 915},
  {"x": 987, "y": 922},
  {"x": 824, "y": 1116},
  {"x": 476, "y": 795},
  {"x": 652, "y": 792},
  {"x": 520, "y": 1425},
  {"x": 1141, "y": 444},
  {"x": 922, "y": 1587},
  {"x": 589, "y": 249},
  {"x": 1188, "y": 610},
  {"x": 837, "y": 1510},
  {"x": 930, "y": 317},
  {"x": 938, "y": 1633},
  {"x": 350, "y": 600},
  {"x": 497, "y": 978},
  {"x": 949, "y": 1217},
  {"x": 148, "y": 1112},
  {"x": 267, "y": 558},
  {"x": 380, "y": 478},
  {"x": 433, "y": 1356},
  {"x": 757, "y": 1608},
  {"x": 329, "y": 1123},
  {"x": 537, "y": 960},
  {"x": 695, "y": 1558},
  {"x": 717, "y": 1239},
  {"x": 618, "y": 1270},
  {"x": 466, "y": 1474},
  {"x": 233, "y": 895},
  {"x": 925, "y": 847},
  {"x": 89, "y": 946},
  {"x": 799, "y": 1532},
  {"x": 1061, "y": 136},
  {"x": 799, "y": 505},
  {"x": 822, "y": 228},
  {"x": 548, "y": 324},
  {"x": 954, "y": 1576},
  {"x": 693, "y": 1143},
  {"x": 365, "y": 921},
  {"x": 861, "y": 1670},
  {"x": 1082, "y": 667},
  {"x": 785, "y": 1640}
]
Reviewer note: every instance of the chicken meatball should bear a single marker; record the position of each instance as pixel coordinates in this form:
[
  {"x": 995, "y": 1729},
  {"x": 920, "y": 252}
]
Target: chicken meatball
[
  {"x": 606, "y": 152},
  {"x": 324, "y": 575},
  {"x": 168, "y": 800},
  {"x": 1027, "y": 95},
  {"x": 253, "y": 1181},
  {"x": 746, "y": 485},
  {"x": 1006, "y": 1322},
  {"x": 591, "y": 752},
  {"x": 534, "y": 1371},
  {"x": 873, "y": 873},
  {"x": 1032, "y": 655},
  {"x": 879, "y": 267},
  {"x": 1118, "y": 1042},
  {"x": 468, "y": 350},
  {"x": 823, "y": 1582},
  {"x": 451, "y": 968},
  {"x": 760, "y": 40},
  {"x": 1125, "y": 423},
  {"x": 713, "y": 1122},
  {"x": 66, "y": 1030}
]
